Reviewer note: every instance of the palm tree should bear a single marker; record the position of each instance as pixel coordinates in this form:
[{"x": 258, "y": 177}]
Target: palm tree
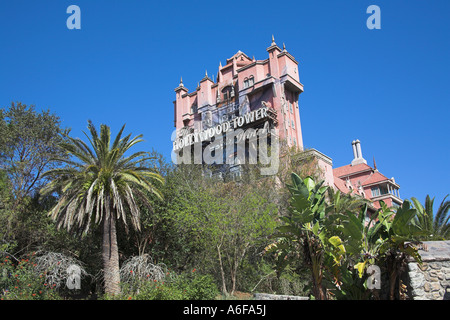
[
  {"x": 437, "y": 226},
  {"x": 100, "y": 185}
]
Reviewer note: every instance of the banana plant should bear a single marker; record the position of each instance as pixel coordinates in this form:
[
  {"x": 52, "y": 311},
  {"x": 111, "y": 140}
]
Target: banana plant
[
  {"x": 401, "y": 233},
  {"x": 357, "y": 244},
  {"x": 363, "y": 241},
  {"x": 304, "y": 229},
  {"x": 388, "y": 236}
]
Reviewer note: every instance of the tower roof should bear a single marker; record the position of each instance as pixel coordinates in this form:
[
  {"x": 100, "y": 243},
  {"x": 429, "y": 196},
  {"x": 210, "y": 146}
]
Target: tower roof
[{"x": 239, "y": 57}]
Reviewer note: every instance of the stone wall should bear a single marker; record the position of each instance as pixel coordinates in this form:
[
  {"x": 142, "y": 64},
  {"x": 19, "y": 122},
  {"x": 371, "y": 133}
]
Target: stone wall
[{"x": 431, "y": 280}]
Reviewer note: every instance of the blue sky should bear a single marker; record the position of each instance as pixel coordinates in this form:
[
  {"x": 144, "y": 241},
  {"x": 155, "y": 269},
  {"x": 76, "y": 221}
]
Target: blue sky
[{"x": 389, "y": 88}]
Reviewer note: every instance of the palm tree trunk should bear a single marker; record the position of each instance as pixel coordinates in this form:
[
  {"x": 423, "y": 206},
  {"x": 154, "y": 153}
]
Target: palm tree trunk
[{"x": 110, "y": 255}]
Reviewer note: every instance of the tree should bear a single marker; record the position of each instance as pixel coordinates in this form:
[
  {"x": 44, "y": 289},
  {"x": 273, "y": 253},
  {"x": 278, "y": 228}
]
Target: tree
[
  {"x": 436, "y": 226},
  {"x": 217, "y": 223},
  {"x": 100, "y": 185},
  {"x": 28, "y": 142},
  {"x": 244, "y": 217}
]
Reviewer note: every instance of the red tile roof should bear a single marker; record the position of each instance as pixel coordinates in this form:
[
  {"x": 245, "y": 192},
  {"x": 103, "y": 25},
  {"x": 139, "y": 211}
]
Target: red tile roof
[
  {"x": 375, "y": 177},
  {"x": 340, "y": 184},
  {"x": 349, "y": 169}
]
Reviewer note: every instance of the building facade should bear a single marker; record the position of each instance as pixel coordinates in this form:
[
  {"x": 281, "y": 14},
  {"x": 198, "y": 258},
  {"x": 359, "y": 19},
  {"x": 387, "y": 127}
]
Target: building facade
[
  {"x": 243, "y": 85},
  {"x": 263, "y": 94},
  {"x": 360, "y": 178}
]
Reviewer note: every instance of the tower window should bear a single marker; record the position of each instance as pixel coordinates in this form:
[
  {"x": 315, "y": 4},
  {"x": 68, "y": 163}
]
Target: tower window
[
  {"x": 375, "y": 191},
  {"x": 248, "y": 82}
]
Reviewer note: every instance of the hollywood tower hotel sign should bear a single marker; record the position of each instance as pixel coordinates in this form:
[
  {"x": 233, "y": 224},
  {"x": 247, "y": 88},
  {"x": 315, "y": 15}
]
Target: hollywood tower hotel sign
[{"x": 248, "y": 94}]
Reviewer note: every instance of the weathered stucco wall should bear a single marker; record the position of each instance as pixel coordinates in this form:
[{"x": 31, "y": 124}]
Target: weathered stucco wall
[{"x": 431, "y": 280}]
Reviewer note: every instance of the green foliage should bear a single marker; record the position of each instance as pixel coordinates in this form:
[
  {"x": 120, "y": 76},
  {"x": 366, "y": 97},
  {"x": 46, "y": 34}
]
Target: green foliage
[
  {"x": 436, "y": 226},
  {"x": 19, "y": 280},
  {"x": 29, "y": 140},
  {"x": 100, "y": 180},
  {"x": 99, "y": 185},
  {"x": 196, "y": 286},
  {"x": 217, "y": 222},
  {"x": 154, "y": 291},
  {"x": 305, "y": 227},
  {"x": 339, "y": 243},
  {"x": 187, "y": 286}
]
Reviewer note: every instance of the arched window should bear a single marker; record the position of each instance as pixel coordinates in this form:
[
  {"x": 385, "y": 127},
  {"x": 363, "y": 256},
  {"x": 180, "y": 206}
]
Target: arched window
[
  {"x": 248, "y": 82},
  {"x": 251, "y": 81},
  {"x": 228, "y": 92}
]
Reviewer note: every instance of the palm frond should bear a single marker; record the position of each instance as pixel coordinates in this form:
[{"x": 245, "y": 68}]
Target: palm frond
[{"x": 99, "y": 182}]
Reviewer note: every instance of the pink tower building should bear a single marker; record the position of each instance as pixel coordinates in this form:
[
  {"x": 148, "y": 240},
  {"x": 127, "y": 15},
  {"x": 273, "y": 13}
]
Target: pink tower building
[
  {"x": 263, "y": 94},
  {"x": 244, "y": 85}
]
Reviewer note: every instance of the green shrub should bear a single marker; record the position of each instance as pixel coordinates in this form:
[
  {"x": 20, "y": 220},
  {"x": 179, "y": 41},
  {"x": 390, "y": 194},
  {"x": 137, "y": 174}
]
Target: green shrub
[
  {"x": 187, "y": 286},
  {"x": 19, "y": 281},
  {"x": 154, "y": 290},
  {"x": 196, "y": 286}
]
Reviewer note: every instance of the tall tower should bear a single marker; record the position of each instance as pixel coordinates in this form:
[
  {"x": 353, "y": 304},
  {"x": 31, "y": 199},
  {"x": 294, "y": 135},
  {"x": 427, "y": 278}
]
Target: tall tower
[{"x": 264, "y": 93}]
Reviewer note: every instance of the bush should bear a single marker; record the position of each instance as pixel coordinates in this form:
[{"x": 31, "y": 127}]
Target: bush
[
  {"x": 20, "y": 281},
  {"x": 187, "y": 286},
  {"x": 196, "y": 286}
]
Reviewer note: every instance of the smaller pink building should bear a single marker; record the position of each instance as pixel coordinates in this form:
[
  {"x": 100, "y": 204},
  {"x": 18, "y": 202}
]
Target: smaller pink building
[{"x": 360, "y": 178}]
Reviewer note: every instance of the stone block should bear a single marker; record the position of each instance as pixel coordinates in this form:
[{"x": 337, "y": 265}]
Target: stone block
[
  {"x": 436, "y": 296},
  {"x": 435, "y": 286},
  {"x": 412, "y": 266},
  {"x": 417, "y": 281},
  {"x": 435, "y": 265},
  {"x": 423, "y": 266}
]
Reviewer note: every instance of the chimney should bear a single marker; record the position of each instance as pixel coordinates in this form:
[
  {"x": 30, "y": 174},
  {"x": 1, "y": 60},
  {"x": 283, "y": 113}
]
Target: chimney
[{"x": 357, "y": 153}]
